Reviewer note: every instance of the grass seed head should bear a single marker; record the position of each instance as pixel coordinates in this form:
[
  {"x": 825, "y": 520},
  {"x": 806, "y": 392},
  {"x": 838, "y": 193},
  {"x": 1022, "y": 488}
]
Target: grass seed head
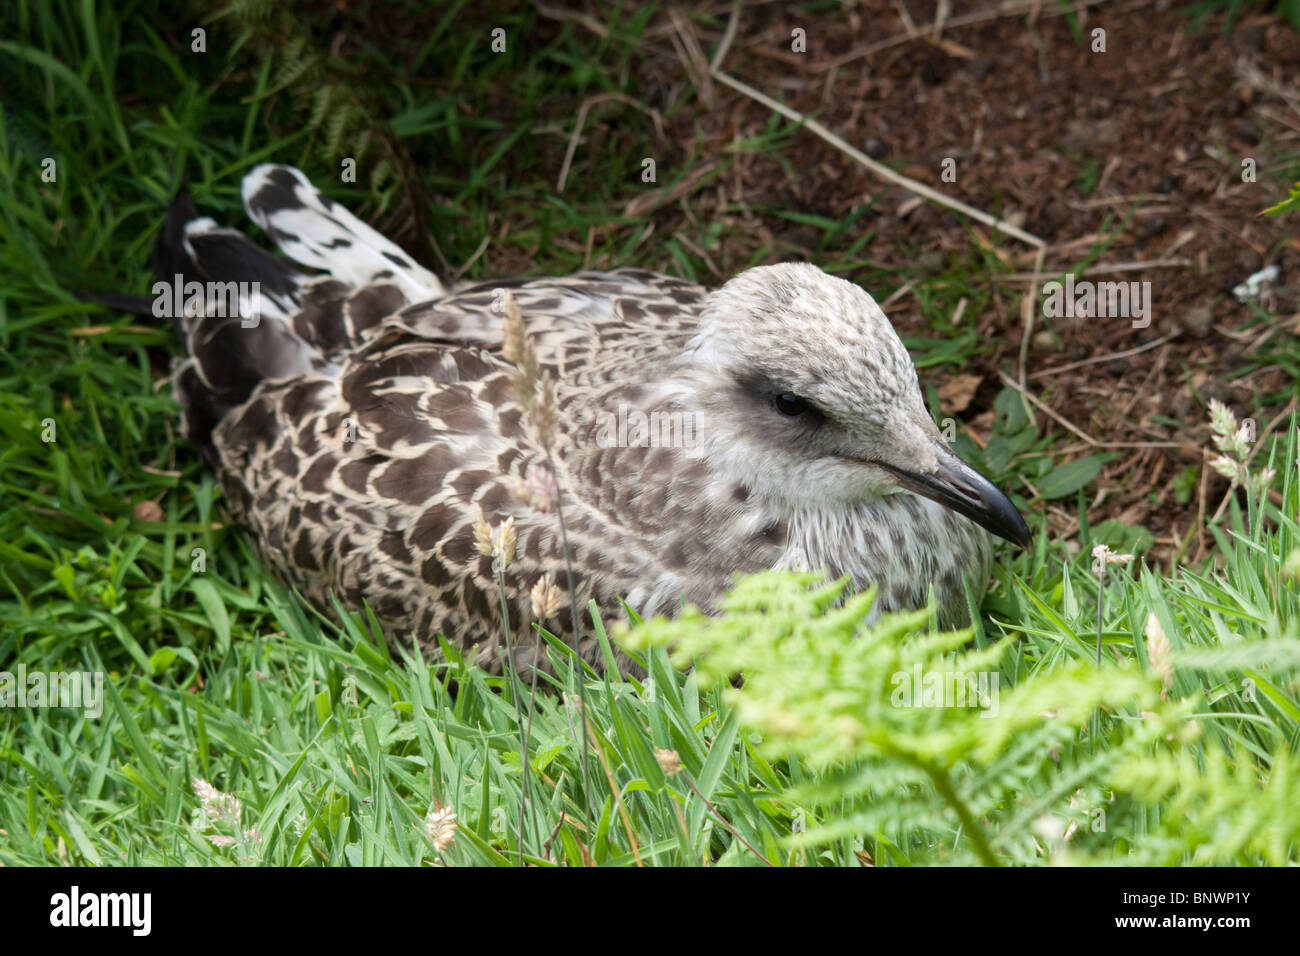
[
  {"x": 545, "y": 597},
  {"x": 1103, "y": 556},
  {"x": 440, "y": 827},
  {"x": 1160, "y": 653},
  {"x": 482, "y": 535},
  {"x": 503, "y": 541}
]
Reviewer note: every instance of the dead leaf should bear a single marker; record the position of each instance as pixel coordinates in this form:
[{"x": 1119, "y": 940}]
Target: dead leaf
[
  {"x": 955, "y": 394},
  {"x": 148, "y": 511}
]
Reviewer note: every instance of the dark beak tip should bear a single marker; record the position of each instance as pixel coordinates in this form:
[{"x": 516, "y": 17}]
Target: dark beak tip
[
  {"x": 1010, "y": 525},
  {"x": 1024, "y": 538}
]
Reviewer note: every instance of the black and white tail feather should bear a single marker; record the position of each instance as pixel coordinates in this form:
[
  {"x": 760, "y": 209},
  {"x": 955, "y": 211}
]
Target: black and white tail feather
[
  {"x": 314, "y": 231},
  {"x": 300, "y": 320}
]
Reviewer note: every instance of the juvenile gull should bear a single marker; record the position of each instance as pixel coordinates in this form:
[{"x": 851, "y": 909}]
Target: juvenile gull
[{"x": 368, "y": 418}]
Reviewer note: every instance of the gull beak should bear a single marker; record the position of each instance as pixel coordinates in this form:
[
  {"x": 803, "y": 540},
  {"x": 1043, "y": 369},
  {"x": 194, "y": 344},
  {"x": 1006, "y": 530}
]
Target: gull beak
[{"x": 956, "y": 485}]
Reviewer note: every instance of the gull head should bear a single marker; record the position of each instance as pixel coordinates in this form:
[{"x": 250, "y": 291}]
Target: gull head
[{"x": 808, "y": 398}]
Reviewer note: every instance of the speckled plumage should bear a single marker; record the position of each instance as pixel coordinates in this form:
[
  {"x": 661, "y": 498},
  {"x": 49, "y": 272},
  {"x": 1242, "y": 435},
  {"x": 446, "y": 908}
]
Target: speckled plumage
[{"x": 361, "y": 425}]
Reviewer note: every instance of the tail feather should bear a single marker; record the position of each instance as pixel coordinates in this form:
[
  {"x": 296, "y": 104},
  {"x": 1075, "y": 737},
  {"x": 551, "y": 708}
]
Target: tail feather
[
  {"x": 315, "y": 231},
  {"x": 256, "y": 316},
  {"x": 235, "y": 325}
]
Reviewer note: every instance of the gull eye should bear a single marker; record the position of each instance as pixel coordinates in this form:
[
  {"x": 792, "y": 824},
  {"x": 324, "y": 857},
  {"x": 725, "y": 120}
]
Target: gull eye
[{"x": 787, "y": 403}]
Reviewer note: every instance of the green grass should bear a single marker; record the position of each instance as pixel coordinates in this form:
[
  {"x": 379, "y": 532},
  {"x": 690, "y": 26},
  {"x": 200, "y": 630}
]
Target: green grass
[{"x": 337, "y": 749}]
